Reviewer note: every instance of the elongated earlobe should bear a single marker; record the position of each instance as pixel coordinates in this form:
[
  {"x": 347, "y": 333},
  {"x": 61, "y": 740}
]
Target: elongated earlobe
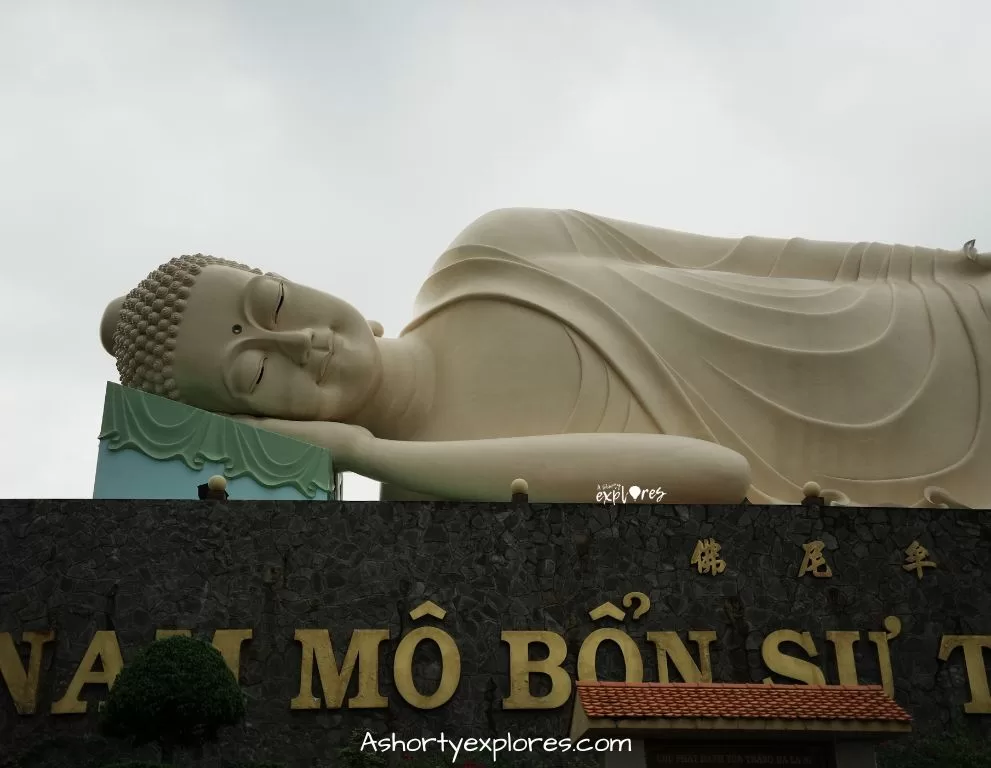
[
  {"x": 377, "y": 330},
  {"x": 108, "y": 324}
]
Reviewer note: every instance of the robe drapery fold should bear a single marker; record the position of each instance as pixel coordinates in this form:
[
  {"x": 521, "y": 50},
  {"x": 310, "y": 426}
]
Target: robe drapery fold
[{"x": 860, "y": 366}]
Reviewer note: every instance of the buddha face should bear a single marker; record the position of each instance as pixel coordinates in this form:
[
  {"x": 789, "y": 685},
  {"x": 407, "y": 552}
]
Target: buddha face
[{"x": 262, "y": 345}]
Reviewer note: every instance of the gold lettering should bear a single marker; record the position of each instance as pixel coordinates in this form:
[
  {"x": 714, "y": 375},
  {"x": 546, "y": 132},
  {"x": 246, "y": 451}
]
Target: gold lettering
[
  {"x": 670, "y": 646},
  {"x": 789, "y": 666},
  {"x": 590, "y": 649},
  {"x": 846, "y": 664},
  {"x": 363, "y": 652},
  {"x": 814, "y": 561},
  {"x": 23, "y": 683},
  {"x": 706, "y": 557},
  {"x": 606, "y": 610},
  {"x": 227, "y": 641},
  {"x": 977, "y": 673},
  {"x": 521, "y": 667},
  {"x": 915, "y": 559},
  {"x": 642, "y": 601},
  {"x": 450, "y": 662},
  {"x": 104, "y": 647},
  {"x": 892, "y": 628}
]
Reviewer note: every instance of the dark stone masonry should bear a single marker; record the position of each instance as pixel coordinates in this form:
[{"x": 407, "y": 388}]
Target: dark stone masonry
[{"x": 77, "y": 567}]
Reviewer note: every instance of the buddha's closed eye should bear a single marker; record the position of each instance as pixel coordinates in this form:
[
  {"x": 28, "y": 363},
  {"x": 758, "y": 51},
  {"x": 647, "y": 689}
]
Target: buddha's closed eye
[
  {"x": 261, "y": 372},
  {"x": 282, "y": 299},
  {"x": 248, "y": 371},
  {"x": 264, "y": 301}
]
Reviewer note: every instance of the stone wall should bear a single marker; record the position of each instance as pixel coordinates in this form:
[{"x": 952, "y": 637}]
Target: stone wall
[{"x": 81, "y": 566}]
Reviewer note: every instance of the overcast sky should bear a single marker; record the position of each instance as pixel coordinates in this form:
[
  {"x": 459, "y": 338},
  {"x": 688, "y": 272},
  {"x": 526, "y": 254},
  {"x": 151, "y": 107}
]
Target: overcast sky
[{"x": 345, "y": 144}]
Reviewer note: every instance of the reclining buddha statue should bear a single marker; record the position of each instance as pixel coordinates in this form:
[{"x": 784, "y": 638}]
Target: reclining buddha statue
[{"x": 573, "y": 350}]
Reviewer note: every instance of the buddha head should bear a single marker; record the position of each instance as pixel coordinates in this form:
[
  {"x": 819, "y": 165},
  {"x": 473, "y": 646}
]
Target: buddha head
[{"x": 224, "y": 337}]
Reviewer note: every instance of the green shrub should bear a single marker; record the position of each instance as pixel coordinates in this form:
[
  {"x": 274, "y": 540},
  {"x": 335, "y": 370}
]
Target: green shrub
[{"x": 178, "y": 692}]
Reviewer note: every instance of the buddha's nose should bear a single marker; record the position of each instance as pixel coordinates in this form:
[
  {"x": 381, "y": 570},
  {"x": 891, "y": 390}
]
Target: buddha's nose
[{"x": 296, "y": 345}]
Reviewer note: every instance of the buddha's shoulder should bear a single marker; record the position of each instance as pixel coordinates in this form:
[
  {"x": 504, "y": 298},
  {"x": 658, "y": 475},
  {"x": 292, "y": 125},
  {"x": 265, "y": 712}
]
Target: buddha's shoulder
[
  {"x": 537, "y": 224},
  {"x": 503, "y": 216},
  {"x": 506, "y": 225},
  {"x": 523, "y": 233}
]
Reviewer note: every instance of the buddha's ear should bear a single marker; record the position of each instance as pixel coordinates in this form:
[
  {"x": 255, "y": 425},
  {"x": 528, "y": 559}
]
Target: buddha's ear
[
  {"x": 376, "y": 327},
  {"x": 109, "y": 323}
]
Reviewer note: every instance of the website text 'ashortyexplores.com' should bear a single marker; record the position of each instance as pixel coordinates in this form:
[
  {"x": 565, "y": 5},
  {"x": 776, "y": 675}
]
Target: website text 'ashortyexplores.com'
[{"x": 491, "y": 747}]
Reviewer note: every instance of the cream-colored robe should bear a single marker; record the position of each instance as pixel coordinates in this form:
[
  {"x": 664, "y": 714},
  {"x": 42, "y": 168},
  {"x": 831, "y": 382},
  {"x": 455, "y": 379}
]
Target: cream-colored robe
[{"x": 863, "y": 367}]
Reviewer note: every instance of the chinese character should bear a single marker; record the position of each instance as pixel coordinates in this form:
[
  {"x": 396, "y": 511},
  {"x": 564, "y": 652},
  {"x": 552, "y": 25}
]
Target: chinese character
[
  {"x": 814, "y": 562},
  {"x": 706, "y": 557},
  {"x": 915, "y": 559}
]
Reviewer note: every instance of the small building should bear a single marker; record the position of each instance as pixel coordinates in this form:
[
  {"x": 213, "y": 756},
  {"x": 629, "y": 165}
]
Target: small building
[{"x": 723, "y": 725}]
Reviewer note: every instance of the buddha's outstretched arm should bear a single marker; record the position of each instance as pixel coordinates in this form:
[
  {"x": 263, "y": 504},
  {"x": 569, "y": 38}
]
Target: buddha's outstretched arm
[{"x": 564, "y": 468}]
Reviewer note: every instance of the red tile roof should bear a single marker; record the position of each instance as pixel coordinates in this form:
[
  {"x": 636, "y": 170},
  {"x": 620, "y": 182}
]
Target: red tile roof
[{"x": 739, "y": 701}]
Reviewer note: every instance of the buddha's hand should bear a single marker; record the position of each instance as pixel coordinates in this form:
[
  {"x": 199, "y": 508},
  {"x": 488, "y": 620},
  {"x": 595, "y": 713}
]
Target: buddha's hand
[{"x": 344, "y": 441}]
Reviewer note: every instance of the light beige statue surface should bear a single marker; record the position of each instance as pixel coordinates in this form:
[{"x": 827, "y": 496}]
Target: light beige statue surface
[{"x": 574, "y": 350}]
